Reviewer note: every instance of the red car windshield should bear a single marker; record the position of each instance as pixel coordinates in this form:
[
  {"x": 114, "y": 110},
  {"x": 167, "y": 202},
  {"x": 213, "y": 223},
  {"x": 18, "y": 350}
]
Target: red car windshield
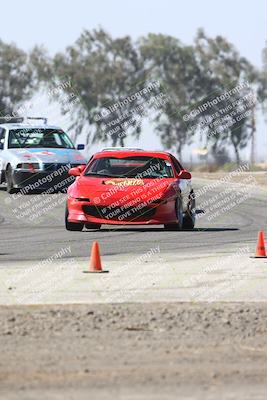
[{"x": 131, "y": 167}]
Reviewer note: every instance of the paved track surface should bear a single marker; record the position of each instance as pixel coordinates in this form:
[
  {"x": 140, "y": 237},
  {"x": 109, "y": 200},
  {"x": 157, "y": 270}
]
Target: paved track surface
[{"x": 40, "y": 232}]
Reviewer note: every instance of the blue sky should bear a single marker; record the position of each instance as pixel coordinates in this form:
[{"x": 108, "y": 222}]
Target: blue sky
[{"x": 58, "y": 23}]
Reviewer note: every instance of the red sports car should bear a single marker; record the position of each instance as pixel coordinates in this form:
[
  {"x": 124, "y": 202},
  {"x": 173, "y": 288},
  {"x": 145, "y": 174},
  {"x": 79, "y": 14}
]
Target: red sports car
[{"x": 130, "y": 187}]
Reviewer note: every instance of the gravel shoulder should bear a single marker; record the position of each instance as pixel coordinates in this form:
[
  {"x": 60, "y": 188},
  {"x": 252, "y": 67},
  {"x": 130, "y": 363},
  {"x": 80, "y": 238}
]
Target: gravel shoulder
[
  {"x": 259, "y": 176},
  {"x": 134, "y": 351}
]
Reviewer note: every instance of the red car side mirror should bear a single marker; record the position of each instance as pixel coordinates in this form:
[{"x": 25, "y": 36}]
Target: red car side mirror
[
  {"x": 184, "y": 174},
  {"x": 76, "y": 171}
]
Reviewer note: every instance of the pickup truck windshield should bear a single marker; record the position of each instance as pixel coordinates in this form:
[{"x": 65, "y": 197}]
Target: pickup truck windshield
[{"x": 38, "y": 137}]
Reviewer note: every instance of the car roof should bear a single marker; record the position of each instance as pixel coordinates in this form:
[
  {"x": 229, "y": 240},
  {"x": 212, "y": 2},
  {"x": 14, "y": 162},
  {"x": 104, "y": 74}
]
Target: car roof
[
  {"x": 28, "y": 126},
  {"x": 126, "y": 153}
]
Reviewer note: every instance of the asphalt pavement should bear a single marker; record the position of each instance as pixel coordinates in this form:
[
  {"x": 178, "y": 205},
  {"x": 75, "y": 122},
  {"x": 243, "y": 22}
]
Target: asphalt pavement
[
  {"x": 32, "y": 228},
  {"x": 42, "y": 262}
]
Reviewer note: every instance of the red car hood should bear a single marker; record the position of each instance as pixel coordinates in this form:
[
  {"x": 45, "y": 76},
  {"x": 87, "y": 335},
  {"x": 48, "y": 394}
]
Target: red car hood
[{"x": 108, "y": 190}]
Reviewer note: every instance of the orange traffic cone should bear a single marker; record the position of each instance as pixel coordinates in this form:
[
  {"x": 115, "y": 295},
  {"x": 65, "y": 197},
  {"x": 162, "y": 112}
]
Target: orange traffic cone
[
  {"x": 95, "y": 261},
  {"x": 260, "y": 250}
]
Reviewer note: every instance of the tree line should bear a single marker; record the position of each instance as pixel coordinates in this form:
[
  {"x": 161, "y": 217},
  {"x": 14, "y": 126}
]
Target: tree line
[{"x": 204, "y": 91}]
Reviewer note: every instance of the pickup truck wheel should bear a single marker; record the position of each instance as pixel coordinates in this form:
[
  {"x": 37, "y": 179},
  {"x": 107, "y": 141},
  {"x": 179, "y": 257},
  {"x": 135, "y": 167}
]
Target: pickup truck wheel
[{"x": 9, "y": 181}]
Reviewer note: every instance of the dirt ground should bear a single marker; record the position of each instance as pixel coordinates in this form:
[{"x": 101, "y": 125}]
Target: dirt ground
[
  {"x": 134, "y": 351},
  {"x": 259, "y": 176}
]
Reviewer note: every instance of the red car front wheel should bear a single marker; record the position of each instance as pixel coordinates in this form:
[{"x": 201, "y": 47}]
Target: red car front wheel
[
  {"x": 72, "y": 226},
  {"x": 179, "y": 213}
]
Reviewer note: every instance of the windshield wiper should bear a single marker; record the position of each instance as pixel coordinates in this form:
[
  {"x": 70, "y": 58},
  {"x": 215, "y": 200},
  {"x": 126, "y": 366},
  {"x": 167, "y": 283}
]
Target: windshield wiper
[
  {"x": 98, "y": 174},
  {"x": 145, "y": 177}
]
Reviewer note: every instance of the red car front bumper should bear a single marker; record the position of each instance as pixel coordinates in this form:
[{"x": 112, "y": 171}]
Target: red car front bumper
[{"x": 155, "y": 213}]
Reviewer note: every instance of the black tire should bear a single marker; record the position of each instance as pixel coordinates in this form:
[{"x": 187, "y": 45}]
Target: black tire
[
  {"x": 9, "y": 181},
  {"x": 179, "y": 212},
  {"x": 72, "y": 226},
  {"x": 189, "y": 221},
  {"x": 92, "y": 226}
]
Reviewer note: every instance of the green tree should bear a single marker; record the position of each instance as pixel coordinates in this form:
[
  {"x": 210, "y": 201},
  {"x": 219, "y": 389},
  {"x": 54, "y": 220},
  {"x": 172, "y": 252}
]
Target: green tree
[
  {"x": 166, "y": 59},
  {"x": 103, "y": 71},
  {"x": 225, "y": 69},
  {"x": 42, "y": 66},
  {"x": 15, "y": 78}
]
